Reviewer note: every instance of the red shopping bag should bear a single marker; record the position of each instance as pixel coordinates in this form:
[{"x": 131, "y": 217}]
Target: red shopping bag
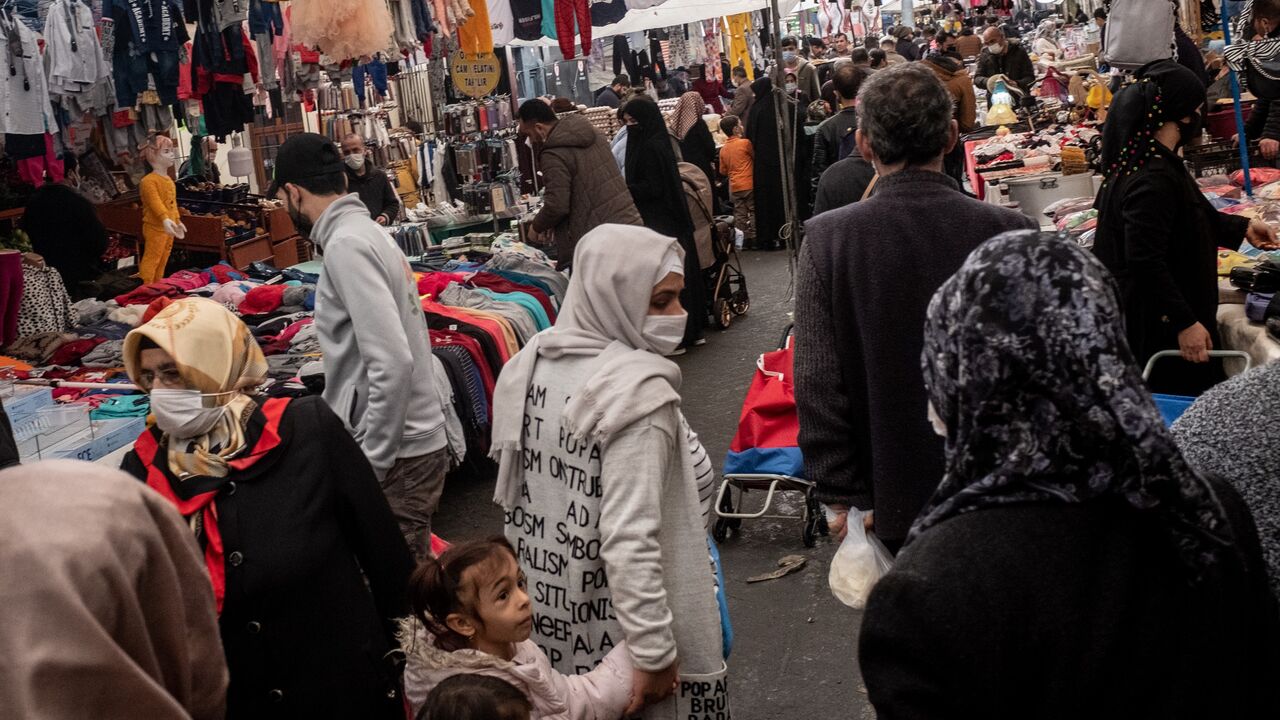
[{"x": 768, "y": 417}]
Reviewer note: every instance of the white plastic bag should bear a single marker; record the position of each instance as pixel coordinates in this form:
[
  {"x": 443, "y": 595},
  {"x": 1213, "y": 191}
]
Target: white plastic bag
[{"x": 859, "y": 562}]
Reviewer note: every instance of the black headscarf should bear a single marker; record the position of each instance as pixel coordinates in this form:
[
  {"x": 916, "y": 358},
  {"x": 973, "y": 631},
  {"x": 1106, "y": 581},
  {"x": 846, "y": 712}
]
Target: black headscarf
[
  {"x": 1026, "y": 363},
  {"x": 1164, "y": 91},
  {"x": 649, "y": 125}
]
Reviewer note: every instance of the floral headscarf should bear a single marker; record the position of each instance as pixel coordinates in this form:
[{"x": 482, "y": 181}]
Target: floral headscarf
[{"x": 1026, "y": 364}]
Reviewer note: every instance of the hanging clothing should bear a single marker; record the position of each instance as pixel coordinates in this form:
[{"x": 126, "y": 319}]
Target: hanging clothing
[
  {"x": 476, "y": 34},
  {"x": 738, "y": 29},
  {"x": 24, "y": 91},
  {"x": 567, "y": 14}
]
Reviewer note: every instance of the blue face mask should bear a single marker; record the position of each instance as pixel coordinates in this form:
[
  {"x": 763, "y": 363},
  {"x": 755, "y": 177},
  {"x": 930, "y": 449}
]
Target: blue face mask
[{"x": 788, "y": 56}]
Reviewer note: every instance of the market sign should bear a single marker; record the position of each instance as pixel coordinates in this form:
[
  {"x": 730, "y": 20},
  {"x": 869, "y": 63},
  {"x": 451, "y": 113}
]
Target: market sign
[{"x": 474, "y": 74}]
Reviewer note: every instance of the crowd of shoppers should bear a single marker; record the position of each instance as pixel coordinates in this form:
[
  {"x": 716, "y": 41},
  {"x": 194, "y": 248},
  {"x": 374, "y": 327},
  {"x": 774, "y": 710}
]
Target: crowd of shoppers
[{"x": 972, "y": 383}]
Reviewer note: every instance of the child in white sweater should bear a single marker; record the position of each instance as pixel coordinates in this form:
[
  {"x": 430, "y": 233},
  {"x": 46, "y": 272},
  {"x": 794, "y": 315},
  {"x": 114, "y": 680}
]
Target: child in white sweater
[{"x": 472, "y": 614}]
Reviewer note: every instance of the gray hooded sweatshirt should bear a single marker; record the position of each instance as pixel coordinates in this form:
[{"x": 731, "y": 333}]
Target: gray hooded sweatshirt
[{"x": 377, "y": 355}]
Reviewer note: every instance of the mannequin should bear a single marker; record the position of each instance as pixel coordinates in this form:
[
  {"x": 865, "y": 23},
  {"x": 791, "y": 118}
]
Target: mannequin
[{"x": 161, "y": 222}]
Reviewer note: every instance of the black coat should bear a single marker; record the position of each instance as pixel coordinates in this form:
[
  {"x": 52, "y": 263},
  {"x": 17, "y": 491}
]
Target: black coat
[
  {"x": 844, "y": 183},
  {"x": 826, "y": 145},
  {"x": 654, "y": 181},
  {"x": 304, "y": 635},
  {"x": 762, "y": 131},
  {"x": 375, "y": 191},
  {"x": 1069, "y": 611},
  {"x": 862, "y": 294},
  {"x": 699, "y": 148},
  {"x": 1013, "y": 63},
  {"x": 1159, "y": 237}
]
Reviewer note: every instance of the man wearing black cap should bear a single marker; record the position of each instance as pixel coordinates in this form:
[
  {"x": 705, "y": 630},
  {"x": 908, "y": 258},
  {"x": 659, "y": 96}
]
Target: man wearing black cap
[{"x": 377, "y": 358}]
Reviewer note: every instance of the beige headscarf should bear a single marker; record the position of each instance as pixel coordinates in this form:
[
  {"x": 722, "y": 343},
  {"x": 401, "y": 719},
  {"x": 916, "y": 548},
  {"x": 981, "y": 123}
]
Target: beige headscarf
[
  {"x": 111, "y": 611},
  {"x": 688, "y": 113},
  {"x": 614, "y": 270},
  {"x": 215, "y": 353}
]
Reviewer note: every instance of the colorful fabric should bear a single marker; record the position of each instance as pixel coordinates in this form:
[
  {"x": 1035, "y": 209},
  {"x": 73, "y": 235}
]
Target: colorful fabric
[{"x": 262, "y": 299}]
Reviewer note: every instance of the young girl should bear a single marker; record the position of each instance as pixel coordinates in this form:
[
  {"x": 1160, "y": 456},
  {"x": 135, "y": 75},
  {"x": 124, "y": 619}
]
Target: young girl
[{"x": 471, "y": 614}]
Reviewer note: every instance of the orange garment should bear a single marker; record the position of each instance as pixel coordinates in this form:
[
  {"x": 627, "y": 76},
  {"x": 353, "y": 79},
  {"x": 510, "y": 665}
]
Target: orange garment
[
  {"x": 475, "y": 35},
  {"x": 159, "y": 203},
  {"x": 737, "y": 161}
]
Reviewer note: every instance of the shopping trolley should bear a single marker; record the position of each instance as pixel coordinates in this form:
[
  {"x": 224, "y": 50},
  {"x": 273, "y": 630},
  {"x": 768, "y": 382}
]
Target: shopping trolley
[
  {"x": 1172, "y": 406},
  {"x": 765, "y": 453}
]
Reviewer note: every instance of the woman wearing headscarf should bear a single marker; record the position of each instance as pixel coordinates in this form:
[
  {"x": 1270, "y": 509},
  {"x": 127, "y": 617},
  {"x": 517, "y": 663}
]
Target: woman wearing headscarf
[
  {"x": 1070, "y": 563},
  {"x": 654, "y": 180},
  {"x": 1045, "y": 47},
  {"x": 1157, "y": 233},
  {"x": 307, "y": 564},
  {"x": 762, "y": 131},
  {"x": 110, "y": 611},
  {"x": 696, "y": 144},
  {"x": 596, "y": 473}
]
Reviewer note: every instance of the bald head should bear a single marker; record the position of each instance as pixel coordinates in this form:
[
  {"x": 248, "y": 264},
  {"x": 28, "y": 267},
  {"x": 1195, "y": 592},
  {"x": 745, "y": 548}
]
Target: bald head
[{"x": 993, "y": 38}]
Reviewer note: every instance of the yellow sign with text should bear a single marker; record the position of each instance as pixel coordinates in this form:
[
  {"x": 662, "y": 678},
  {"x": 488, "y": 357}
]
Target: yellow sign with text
[{"x": 474, "y": 74}]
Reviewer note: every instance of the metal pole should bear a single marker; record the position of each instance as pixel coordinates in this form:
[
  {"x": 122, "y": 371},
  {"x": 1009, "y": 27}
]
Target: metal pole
[
  {"x": 1235, "y": 96},
  {"x": 783, "y": 116}
]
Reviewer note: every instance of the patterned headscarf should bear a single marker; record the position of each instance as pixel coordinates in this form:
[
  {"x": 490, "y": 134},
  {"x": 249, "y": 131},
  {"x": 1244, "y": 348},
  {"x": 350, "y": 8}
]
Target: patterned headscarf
[
  {"x": 688, "y": 113},
  {"x": 1027, "y": 365},
  {"x": 215, "y": 353},
  {"x": 1164, "y": 91}
]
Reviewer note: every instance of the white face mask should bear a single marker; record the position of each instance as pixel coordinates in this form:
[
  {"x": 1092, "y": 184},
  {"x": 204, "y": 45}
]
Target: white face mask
[
  {"x": 791, "y": 87},
  {"x": 939, "y": 427},
  {"x": 182, "y": 414},
  {"x": 664, "y": 332},
  {"x": 355, "y": 162}
]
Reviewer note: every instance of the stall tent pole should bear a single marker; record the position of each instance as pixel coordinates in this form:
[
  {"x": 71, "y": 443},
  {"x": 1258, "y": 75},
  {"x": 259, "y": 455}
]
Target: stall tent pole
[
  {"x": 1235, "y": 96},
  {"x": 784, "y": 115}
]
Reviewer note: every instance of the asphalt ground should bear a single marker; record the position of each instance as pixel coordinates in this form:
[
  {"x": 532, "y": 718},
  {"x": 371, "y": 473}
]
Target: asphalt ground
[{"x": 795, "y": 646}]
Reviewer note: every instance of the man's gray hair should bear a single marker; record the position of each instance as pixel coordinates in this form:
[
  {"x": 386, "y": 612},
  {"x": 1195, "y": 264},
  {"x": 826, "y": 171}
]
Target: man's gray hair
[{"x": 905, "y": 113}]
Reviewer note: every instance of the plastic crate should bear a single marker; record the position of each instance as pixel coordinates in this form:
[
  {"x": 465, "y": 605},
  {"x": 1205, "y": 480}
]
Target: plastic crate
[{"x": 1218, "y": 158}]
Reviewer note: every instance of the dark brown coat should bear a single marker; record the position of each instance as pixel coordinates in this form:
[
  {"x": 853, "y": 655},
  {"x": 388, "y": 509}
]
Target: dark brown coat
[{"x": 582, "y": 187}]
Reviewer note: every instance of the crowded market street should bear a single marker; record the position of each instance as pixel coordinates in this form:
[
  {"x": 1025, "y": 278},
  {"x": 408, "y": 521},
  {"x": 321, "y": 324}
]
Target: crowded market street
[{"x": 639, "y": 359}]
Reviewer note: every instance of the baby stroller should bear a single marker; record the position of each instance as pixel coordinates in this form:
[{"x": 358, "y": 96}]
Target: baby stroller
[
  {"x": 726, "y": 284},
  {"x": 765, "y": 453},
  {"x": 1172, "y": 406}
]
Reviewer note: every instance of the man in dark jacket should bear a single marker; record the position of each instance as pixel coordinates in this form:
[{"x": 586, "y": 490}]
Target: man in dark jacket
[
  {"x": 369, "y": 181},
  {"x": 1002, "y": 57},
  {"x": 844, "y": 183},
  {"x": 611, "y": 96},
  {"x": 834, "y": 137},
  {"x": 582, "y": 187},
  {"x": 861, "y": 300}
]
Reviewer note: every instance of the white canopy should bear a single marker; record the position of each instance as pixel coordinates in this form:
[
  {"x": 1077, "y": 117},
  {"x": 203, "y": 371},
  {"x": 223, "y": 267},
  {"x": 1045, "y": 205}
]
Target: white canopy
[
  {"x": 675, "y": 12},
  {"x": 895, "y": 6}
]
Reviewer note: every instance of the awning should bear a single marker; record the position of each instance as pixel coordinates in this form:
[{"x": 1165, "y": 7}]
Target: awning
[{"x": 674, "y": 12}]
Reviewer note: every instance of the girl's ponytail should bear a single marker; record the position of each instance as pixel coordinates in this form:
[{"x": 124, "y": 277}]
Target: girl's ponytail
[{"x": 436, "y": 589}]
